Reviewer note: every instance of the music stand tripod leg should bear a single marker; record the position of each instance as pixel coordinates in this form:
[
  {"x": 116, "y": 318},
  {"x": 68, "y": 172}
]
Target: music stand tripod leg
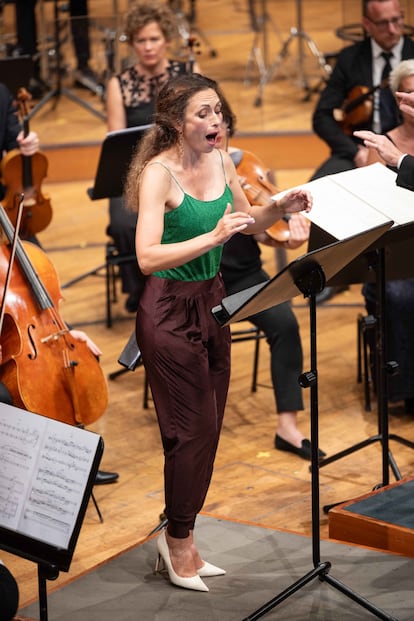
[
  {"x": 310, "y": 284},
  {"x": 56, "y": 92}
]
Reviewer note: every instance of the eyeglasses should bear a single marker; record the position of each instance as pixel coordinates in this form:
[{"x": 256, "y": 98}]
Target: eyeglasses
[{"x": 383, "y": 24}]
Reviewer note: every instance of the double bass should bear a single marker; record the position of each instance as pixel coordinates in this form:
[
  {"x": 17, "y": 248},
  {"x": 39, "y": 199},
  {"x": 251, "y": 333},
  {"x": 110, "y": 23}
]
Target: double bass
[
  {"x": 46, "y": 370},
  {"x": 24, "y": 174}
]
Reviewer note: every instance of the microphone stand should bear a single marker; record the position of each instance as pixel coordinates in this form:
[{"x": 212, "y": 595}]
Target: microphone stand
[
  {"x": 59, "y": 89},
  {"x": 302, "y": 37}
]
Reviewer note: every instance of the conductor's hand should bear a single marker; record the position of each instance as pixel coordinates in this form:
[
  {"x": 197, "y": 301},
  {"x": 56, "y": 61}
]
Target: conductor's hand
[
  {"x": 406, "y": 103},
  {"x": 231, "y": 223},
  {"x": 384, "y": 147}
]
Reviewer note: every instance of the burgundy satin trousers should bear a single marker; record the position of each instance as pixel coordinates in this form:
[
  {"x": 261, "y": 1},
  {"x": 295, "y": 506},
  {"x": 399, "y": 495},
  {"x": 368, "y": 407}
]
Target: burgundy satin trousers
[{"x": 186, "y": 355}]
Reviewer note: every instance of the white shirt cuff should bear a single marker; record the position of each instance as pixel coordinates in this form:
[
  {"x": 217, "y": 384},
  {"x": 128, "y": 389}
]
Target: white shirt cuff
[{"x": 400, "y": 160}]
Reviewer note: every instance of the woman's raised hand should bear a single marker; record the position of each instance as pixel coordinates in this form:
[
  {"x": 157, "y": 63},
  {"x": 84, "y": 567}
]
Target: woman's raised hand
[
  {"x": 231, "y": 223},
  {"x": 295, "y": 200}
]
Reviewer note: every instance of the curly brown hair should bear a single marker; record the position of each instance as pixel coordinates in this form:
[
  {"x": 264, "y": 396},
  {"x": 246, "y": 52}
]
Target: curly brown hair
[
  {"x": 169, "y": 114},
  {"x": 143, "y": 13}
]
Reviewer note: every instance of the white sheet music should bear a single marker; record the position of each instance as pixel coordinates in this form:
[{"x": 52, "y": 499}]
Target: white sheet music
[
  {"x": 354, "y": 201},
  {"x": 45, "y": 466}
]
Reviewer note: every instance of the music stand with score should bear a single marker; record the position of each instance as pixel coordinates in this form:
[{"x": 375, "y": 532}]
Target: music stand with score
[
  {"x": 307, "y": 275},
  {"x": 48, "y": 469}
]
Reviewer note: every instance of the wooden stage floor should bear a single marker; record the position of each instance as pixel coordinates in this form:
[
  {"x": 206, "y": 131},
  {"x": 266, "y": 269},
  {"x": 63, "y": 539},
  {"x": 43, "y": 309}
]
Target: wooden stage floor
[{"x": 252, "y": 481}]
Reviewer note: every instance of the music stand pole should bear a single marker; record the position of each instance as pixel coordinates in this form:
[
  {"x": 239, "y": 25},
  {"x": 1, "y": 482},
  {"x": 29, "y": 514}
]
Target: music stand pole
[
  {"x": 59, "y": 89},
  {"x": 312, "y": 283}
]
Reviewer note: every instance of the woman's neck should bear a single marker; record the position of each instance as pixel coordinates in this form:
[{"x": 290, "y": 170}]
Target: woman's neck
[{"x": 154, "y": 70}]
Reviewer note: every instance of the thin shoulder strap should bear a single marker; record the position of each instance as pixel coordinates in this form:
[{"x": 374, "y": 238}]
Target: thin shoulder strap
[
  {"x": 169, "y": 172},
  {"x": 222, "y": 165}
]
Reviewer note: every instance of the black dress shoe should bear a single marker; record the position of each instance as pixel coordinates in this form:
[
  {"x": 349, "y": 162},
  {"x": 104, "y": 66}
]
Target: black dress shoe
[
  {"x": 305, "y": 451},
  {"x": 103, "y": 478},
  {"x": 131, "y": 303}
]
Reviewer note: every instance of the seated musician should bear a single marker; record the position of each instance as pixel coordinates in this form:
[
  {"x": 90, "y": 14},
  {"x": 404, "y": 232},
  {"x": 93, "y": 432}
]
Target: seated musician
[
  {"x": 11, "y": 137},
  {"x": 241, "y": 267},
  {"x": 11, "y": 134},
  {"x": 359, "y": 67},
  {"x": 399, "y": 294}
]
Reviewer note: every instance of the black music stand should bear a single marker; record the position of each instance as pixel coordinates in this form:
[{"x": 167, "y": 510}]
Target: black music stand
[
  {"x": 388, "y": 260},
  {"x": 306, "y": 275},
  {"x": 49, "y": 470},
  {"x": 116, "y": 153},
  {"x": 16, "y": 72}
]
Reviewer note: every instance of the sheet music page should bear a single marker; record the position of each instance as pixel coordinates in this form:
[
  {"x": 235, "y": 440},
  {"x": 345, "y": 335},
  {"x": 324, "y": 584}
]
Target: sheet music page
[
  {"x": 354, "y": 201},
  {"x": 45, "y": 466}
]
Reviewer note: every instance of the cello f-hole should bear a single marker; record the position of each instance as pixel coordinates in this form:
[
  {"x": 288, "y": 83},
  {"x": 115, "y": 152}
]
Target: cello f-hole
[{"x": 31, "y": 356}]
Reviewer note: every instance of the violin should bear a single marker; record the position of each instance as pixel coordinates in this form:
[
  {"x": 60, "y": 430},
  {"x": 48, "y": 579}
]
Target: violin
[
  {"x": 23, "y": 174},
  {"x": 259, "y": 190},
  {"x": 46, "y": 370},
  {"x": 357, "y": 108}
]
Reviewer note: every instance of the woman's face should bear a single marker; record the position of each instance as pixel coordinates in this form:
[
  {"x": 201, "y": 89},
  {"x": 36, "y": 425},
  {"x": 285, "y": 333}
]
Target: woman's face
[
  {"x": 406, "y": 86},
  {"x": 203, "y": 120},
  {"x": 150, "y": 45}
]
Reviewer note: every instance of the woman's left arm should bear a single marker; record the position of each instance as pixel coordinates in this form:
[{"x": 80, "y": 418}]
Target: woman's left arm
[{"x": 264, "y": 216}]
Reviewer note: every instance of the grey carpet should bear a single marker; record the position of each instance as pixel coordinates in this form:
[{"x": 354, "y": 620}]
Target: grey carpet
[{"x": 260, "y": 564}]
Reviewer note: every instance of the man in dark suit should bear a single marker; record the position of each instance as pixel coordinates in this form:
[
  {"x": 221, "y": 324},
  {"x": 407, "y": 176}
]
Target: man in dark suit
[{"x": 362, "y": 65}]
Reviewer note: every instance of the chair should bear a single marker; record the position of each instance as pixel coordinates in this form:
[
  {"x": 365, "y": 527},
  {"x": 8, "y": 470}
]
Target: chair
[
  {"x": 365, "y": 324},
  {"x": 237, "y": 336},
  {"x": 113, "y": 259}
]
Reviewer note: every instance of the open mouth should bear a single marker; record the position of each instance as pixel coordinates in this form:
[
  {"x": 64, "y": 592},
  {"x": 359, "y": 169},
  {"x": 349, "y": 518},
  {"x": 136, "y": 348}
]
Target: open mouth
[{"x": 213, "y": 138}]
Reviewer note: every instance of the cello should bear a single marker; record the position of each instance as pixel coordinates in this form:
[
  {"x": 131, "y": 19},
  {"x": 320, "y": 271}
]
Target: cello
[
  {"x": 23, "y": 174},
  {"x": 46, "y": 370}
]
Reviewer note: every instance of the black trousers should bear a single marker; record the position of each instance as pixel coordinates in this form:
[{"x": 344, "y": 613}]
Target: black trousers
[{"x": 26, "y": 29}]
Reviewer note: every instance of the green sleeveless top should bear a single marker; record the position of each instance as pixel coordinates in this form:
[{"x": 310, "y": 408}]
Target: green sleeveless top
[{"x": 191, "y": 218}]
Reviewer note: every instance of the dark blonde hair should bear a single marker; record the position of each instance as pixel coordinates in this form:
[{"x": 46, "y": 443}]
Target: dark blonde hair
[
  {"x": 169, "y": 114},
  {"x": 144, "y": 13}
]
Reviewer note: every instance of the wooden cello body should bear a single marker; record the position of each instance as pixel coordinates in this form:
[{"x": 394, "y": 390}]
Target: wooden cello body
[{"x": 46, "y": 370}]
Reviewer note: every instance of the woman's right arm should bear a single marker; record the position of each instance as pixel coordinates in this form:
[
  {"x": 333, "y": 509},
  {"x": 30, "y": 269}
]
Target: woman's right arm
[{"x": 115, "y": 109}]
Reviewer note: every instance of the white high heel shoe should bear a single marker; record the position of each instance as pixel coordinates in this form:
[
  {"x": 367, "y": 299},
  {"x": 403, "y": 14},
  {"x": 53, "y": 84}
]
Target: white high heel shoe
[
  {"x": 194, "y": 582},
  {"x": 208, "y": 571}
]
